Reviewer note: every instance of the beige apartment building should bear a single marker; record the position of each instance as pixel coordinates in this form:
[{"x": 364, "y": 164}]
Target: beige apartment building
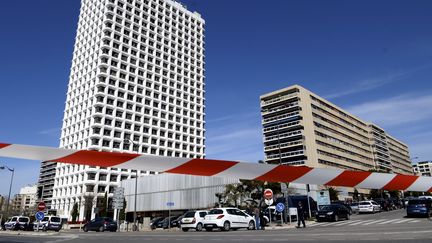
[{"x": 301, "y": 128}]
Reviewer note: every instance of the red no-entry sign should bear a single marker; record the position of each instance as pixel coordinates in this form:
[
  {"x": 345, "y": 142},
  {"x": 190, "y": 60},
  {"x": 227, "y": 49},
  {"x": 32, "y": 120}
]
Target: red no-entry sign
[
  {"x": 41, "y": 206},
  {"x": 268, "y": 194}
]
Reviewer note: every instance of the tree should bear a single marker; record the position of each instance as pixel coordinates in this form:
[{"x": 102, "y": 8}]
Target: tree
[
  {"x": 122, "y": 215},
  {"x": 355, "y": 195},
  {"x": 74, "y": 212},
  {"x": 104, "y": 209},
  {"x": 333, "y": 194}
]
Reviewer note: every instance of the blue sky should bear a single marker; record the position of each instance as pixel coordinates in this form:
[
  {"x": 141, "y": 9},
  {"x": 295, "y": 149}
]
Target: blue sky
[{"x": 373, "y": 58}]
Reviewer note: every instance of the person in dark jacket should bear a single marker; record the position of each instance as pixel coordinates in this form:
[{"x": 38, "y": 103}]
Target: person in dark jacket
[{"x": 300, "y": 215}]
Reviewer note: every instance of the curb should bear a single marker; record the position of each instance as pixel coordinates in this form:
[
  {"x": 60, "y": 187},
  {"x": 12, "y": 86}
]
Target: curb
[{"x": 28, "y": 233}]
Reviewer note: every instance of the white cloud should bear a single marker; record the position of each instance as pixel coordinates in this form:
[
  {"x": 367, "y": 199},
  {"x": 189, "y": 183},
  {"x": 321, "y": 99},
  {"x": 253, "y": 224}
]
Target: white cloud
[
  {"x": 374, "y": 83},
  {"x": 395, "y": 111}
]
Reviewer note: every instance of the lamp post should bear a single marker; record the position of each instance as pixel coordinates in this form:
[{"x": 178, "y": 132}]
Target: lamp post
[
  {"x": 134, "y": 227},
  {"x": 10, "y": 186}
]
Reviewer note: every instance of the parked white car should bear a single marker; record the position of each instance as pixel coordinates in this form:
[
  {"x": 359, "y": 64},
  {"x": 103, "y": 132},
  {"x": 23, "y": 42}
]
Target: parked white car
[
  {"x": 193, "y": 220},
  {"x": 49, "y": 223},
  {"x": 369, "y": 207},
  {"x": 228, "y": 218},
  {"x": 17, "y": 223}
]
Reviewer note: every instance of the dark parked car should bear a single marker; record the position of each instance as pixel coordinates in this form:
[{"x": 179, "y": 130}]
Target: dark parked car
[
  {"x": 178, "y": 221},
  {"x": 155, "y": 222},
  {"x": 386, "y": 204},
  {"x": 419, "y": 207},
  {"x": 101, "y": 225},
  {"x": 332, "y": 213},
  {"x": 171, "y": 220},
  {"x": 343, "y": 204}
]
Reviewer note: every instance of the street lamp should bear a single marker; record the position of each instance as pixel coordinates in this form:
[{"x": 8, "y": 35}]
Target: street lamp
[
  {"x": 10, "y": 186},
  {"x": 135, "y": 228}
]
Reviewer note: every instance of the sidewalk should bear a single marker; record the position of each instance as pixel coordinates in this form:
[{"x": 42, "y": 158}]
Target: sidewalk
[
  {"x": 287, "y": 226},
  {"x": 30, "y": 233}
]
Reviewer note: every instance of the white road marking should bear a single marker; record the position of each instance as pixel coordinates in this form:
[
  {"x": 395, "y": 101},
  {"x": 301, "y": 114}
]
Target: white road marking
[
  {"x": 361, "y": 222},
  {"x": 347, "y": 222},
  {"x": 389, "y": 221},
  {"x": 402, "y": 221},
  {"x": 375, "y": 221}
]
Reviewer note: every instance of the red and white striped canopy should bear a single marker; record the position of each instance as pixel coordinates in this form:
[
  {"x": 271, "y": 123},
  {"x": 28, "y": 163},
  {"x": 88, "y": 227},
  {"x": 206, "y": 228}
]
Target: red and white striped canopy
[{"x": 222, "y": 168}]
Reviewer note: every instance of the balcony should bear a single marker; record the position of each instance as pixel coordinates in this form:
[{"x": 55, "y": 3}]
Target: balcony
[
  {"x": 280, "y": 117},
  {"x": 280, "y": 108},
  {"x": 282, "y": 126},
  {"x": 284, "y": 135},
  {"x": 285, "y": 155},
  {"x": 284, "y": 145},
  {"x": 279, "y": 99}
]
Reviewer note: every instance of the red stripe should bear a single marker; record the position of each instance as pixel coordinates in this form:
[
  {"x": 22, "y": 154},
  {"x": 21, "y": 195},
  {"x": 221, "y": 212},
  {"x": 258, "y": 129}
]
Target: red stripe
[
  {"x": 284, "y": 173},
  {"x": 202, "y": 167},
  {"x": 96, "y": 158},
  {"x": 400, "y": 182},
  {"x": 2, "y": 145},
  {"x": 349, "y": 178},
  {"x": 430, "y": 190}
]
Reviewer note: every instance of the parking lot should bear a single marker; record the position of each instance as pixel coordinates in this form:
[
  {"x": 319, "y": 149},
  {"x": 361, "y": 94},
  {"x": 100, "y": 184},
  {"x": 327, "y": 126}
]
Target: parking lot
[{"x": 385, "y": 226}]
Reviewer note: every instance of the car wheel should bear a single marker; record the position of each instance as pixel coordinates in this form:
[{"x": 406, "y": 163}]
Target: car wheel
[
  {"x": 101, "y": 229},
  {"x": 251, "y": 225},
  {"x": 44, "y": 228},
  {"x": 336, "y": 218},
  {"x": 226, "y": 226},
  {"x": 85, "y": 229},
  {"x": 199, "y": 227},
  {"x": 185, "y": 229}
]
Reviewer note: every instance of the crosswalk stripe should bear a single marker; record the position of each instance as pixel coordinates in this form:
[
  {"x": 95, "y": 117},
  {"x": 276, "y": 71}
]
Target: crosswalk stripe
[
  {"x": 376, "y": 221},
  {"x": 347, "y": 222},
  {"x": 361, "y": 222},
  {"x": 415, "y": 221},
  {"x": 389, "y": 221},
  {"x": 402, "y": 221}
]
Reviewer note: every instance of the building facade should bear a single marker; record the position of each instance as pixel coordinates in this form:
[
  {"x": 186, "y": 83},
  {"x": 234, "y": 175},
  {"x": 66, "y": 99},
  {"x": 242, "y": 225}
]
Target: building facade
[
  {"x": 136, "y": 85},
  {"x": 25, "y": 202},
  {"x": 423, "y": 168},
  {"x": 301, "y": 128},
  {"x": 46, "y": 182}
]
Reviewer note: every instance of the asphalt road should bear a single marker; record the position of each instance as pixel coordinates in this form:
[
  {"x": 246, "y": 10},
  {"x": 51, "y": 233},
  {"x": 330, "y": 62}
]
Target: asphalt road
[{"x": 382, "y": 227}]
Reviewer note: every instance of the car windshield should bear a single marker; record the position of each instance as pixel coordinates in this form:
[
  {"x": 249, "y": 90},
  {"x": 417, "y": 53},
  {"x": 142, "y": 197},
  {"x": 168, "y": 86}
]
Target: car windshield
[
  {"x": 416, "y": 202},
  {"x": 190, "y": 214},
  {"x": 45, "y": 219},
  {"x": 216, "y": 211},
  {"x": 364, "y": 203},
  {"x": 23, "y": 220},
  {"x": 14, "y": 219},
  {"x": 55, "y": 219},
  {"x": 329, "y": 207}
]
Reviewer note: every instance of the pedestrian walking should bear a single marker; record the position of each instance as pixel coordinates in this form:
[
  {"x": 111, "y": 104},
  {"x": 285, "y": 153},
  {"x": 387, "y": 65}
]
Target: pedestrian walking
[
  {"x": 257, "y": 215},
  {"x": 300, "y": 215}
]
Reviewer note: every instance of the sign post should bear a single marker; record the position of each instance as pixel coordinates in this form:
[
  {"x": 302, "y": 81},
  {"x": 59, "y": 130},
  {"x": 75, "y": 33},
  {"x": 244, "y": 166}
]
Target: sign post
[
  {"x": 40, "y": 215},
  {"x": 118, "y": 203},
  {"x": 268, "y": 199},
  {"x": 280, "y": 207},
  {"x": 169, "y": 205}
]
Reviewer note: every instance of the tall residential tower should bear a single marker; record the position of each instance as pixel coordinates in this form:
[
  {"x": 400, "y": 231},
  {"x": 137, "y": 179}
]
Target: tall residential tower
[{"x": 137, "y": 74}]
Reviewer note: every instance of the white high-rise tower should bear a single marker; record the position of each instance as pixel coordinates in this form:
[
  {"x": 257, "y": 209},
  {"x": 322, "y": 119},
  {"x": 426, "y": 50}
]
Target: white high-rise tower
[{"x": 137, "y": 74}]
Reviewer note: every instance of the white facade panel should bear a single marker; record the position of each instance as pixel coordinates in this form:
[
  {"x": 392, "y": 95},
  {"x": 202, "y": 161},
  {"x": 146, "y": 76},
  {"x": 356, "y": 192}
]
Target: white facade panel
[{"x": 187, "y": 192}]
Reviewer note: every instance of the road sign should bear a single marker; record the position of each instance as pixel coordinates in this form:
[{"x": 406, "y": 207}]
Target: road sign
[
  {"x": 268, "y": 194},
  {"x": 41, "y": 206},
  {"x": 170, "y": 204},
  {"x": 323, "y": 198},
  {"x": 39, "y": 216},
  {"x": 268, "y": 201},
  {"x": 280, "y": 207}
]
